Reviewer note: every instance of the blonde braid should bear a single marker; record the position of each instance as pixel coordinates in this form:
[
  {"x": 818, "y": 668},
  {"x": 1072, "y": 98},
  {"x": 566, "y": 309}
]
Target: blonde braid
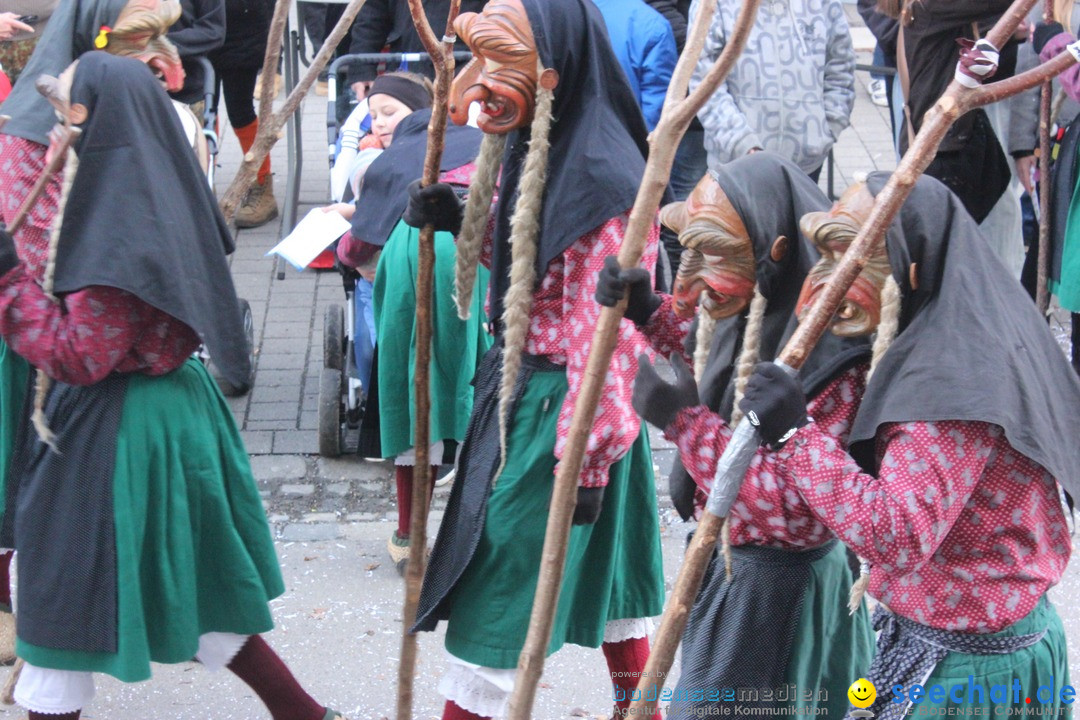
[
  {"x": 706, "y": 329},
  {"x": 524, "y": 230},
  {"x": 470, "y": 240},
  {"x": 42, "y": 381},
  {"x": 886, "y": 333},
  {"x": 751, "y": 351}
]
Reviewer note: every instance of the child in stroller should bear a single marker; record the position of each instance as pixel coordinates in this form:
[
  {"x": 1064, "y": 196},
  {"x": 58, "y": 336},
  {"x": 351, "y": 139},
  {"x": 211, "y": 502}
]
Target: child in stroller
[{"x": 379, "y": 237}]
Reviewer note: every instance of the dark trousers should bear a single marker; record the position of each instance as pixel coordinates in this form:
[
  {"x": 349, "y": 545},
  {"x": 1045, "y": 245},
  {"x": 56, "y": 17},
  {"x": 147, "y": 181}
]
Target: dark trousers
[
  {"x": 319, "y": 20},
  {"x": 238, "y": 86}
]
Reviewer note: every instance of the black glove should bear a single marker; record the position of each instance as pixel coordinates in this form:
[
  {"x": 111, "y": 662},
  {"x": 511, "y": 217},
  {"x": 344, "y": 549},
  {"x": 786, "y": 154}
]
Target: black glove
[
  {"x": 613, "y": 282},
  {"x": 590, "y": 500},
  {"x": 1044, "y": 32},
  {"x": 774, "y": 403},
  {"x": 436, "y": 205},
  {"x": 658, "y": 401},
  {"x": 682, "y": 488},
  {"x": 8, "y": 257}
]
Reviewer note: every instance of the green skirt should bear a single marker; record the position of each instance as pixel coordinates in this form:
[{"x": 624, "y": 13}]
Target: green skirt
[
  {"x": 193, "y": 547},
  {"x": 613, "y": 568},
  {"x": 14, "y": 372},
  {"x": 1044, "y": 664},
  {"x": 1067, "y": 286},
  {"x": 831, "y": 648},
  {"x": 456, "y": 344}
]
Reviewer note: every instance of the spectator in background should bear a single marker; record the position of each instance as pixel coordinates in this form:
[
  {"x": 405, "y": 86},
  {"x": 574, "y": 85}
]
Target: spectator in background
[
  {"x": 200, "y": 30},
  {"x": 791, "y": 90},
  {"x": 20, "y": 39},
  {"x": 319, "y": 20},
  {"x": 645, "y": 47},
  {"x": 237, "y": 64},
  {"x": 387, "y": 25}
]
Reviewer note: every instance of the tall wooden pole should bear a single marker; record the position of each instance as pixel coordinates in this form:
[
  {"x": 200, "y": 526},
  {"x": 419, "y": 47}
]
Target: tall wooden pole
[
  {"x": 679, "y": 110},
  {"x": 732, "y": 467},
  {"x": 1042, "y": 294},
  {"x": 442, "y": 55}
]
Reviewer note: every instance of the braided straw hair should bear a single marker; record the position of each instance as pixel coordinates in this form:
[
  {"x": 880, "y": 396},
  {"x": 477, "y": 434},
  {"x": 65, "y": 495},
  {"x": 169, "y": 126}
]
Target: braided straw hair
[
  {"x": 524, "y": 230},
  {"x": 42, "y": 381},
  {"x": 474, "y": 225},
  {"x": 886, "y": 333},
  {"x": 706, "y": 330}
]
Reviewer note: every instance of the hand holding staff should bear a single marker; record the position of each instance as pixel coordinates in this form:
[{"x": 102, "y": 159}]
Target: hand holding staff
[
  {"x": 442, "y": 55},
  {"x": 731, "y": 470}
]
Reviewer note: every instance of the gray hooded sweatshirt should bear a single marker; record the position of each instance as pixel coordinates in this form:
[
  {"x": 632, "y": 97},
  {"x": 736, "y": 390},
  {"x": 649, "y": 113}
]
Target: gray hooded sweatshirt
[{"x": 792, "y": 89}]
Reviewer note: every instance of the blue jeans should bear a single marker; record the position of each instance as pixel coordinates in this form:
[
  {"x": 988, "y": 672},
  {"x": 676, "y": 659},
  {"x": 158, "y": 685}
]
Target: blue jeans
[{"x": 364, "y": 331}]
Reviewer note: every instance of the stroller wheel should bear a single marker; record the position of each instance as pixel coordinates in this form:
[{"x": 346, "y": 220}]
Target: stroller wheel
[
  {"x": 334, "y": 338},
  {"x": 330, "y": 412},
  {"x": 227, "y": 388}
]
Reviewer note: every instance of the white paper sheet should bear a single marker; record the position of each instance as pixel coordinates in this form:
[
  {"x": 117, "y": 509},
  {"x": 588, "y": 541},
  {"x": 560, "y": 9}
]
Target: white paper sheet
[{"x": 310, "y": 237}]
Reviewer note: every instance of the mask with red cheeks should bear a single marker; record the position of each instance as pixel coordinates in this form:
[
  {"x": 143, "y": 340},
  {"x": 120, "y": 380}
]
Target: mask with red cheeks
[
  {"x": 504, "y": 73},
  {"x": 833, "y": 232},
  {"x": 717, "y": 266},
  {"x": 139, "y": 32}
]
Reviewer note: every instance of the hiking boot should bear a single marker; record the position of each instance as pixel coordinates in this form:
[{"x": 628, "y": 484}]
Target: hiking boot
[{"x": 259, "y": 207}]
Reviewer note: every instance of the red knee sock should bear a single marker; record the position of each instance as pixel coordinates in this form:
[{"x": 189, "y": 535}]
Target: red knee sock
[
  {"x": 404, "y": 478},
  {"x": 626, "y": 661},
  {"x": 65, "y": 716},
  {"x": 453, "y": 711},
  {"x": 246, "y": 136},
  {"x": 5, "y": 578},
  {"x": 265, "y": 673}
]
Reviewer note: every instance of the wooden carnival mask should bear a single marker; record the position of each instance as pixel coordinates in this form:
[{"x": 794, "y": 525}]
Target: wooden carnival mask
[
  {"x": 719, "y": 257},
  {"x": 832, "y": 232},
  {"x": 140, "y": 31},
  {"x": 505, "y": 71}
]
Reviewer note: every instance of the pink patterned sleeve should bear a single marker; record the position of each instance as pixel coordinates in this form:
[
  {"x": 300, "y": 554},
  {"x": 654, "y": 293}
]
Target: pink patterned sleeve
[
  {"x": 666, "y": 332},
  {"x": 928, "y": 472},
  {"x": 89, "y": 333},
  {"x": 616, "y": 425},
  {"x": 701, "y": 437}
]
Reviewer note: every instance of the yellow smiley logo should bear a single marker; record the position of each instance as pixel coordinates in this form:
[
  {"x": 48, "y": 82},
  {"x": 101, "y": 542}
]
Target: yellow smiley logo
[{"x": 862, "y": 693}]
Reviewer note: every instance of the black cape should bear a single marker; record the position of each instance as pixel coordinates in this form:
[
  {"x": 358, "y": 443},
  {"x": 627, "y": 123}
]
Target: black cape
[
  {"x": 140, "y": 215},
  {"x": 70, "y": 33},
  {"x": 771, "y": 195},
  {"x": 598, "y": 139},
  {"x": 385, "y": 192},
  {"x": 971, "y": 344}
]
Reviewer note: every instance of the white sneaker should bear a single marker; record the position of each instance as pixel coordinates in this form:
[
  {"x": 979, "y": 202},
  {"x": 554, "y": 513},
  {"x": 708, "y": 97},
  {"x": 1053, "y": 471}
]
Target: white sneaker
[{"x": 877, "y": 93}]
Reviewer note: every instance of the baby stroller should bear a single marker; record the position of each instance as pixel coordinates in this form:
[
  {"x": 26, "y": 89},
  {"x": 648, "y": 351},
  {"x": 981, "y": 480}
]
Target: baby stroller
[{"x": 202, "y": 135}]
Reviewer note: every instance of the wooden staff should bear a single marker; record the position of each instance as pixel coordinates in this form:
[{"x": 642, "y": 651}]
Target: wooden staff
[
  {"x": 679, "y": 110},
  {"x": 1042, "y": 295},
  {"x": 442, "y": 55},
  {"x": 270, "y": 123},
  {"x": 956, "y": 101}
]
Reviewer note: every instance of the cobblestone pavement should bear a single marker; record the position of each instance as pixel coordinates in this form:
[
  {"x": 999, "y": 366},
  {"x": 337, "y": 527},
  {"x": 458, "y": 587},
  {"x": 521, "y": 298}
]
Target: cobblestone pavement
[{"x": 339, "y": 623}]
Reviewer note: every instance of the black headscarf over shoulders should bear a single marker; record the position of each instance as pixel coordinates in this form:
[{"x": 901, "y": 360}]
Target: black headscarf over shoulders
[
  {"x": 70, "y": 33},
  {"x": 140, "y": 215},
  {"x": 771, "y": 195},
  {"x": 598, "y": 139},
  {"x": 971, "y": 344},
  {"x": 384, "y": 194}
]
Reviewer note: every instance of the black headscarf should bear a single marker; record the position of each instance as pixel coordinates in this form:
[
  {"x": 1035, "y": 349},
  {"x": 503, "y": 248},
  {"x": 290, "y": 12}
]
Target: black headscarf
[
  {"x": 971, "y": 344},
  {"x": 140, "y": 215},
  {"x": 771, "y": 194},
  {"x": 70, "y": 33},
  {"x": 598, "y": 139},
  {"x": 385, "y": 192}
]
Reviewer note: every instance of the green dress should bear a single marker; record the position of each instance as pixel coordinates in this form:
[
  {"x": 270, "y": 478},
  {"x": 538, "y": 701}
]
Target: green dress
[
  {"x": 1067, "y": 286},
  {"x": 456, "y": 344},
  {"x": 193, "y": 547},
  {"x": 14, "y": 372},
  {"x": 613, "y": 568}
]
